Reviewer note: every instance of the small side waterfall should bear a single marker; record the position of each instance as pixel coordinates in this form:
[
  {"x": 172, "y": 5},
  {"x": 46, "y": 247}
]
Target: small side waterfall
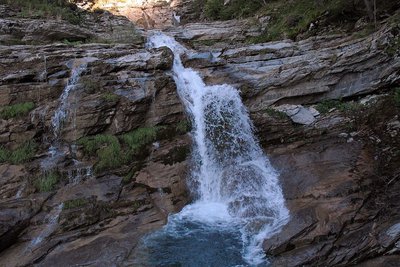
[
  {"x": 52, "y": 220},
  {"x": 62, "y": 111},
  {"x": 239, "y": 201}
]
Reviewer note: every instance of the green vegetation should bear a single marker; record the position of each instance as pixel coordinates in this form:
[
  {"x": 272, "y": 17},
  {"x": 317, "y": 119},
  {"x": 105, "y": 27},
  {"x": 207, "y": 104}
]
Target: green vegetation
[
  {"x": 109, "y": 151},
  {"x": 393, "y": 48},
  {"x": 92, "y": 143},
  {"x": 290, "y": 18},
  {"x": 183, "y": 127},
  {"x": 47, "y": 182},
  {"x": 140, "y": 137},
  {"x": 75, "y": 203},
  {"x": 325, "y": 106},
  {"x": 276, "y": 113},
  {"x": 370, "y": 28},
  {"x": 59, "y": 9},
  {"x": 110, "y": 97},
  {"x": 17, "y": 110},
  {"x": 3, "y": 154},
  {"x": 110, "y": 157},
  {"x": 215, "y": 9},
  {"x": 396, "y": 97},
  {"x": 137, "y": 204},
  {"x": 21, "y": 154},
  {"x": 106, "y": 148}
]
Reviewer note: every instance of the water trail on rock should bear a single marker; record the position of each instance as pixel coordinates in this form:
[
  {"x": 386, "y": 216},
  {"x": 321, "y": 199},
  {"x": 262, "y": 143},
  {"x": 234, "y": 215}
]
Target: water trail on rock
[
  {"x": 233, "y": 181},
  {"x": 52, "y": 220},
  {"x": 62, "y": 111}
]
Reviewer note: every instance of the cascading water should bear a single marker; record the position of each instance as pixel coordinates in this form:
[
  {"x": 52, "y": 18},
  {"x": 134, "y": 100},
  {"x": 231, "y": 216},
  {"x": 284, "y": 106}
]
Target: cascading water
[
  {"x": 61, "y": 113},
  {"x": 238, "y": 202},
  {"x": 52, "y": 220}
]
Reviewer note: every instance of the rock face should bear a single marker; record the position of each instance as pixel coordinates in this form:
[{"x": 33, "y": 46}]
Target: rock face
[
  {"x": 287, "y": 72},
  {"x": 122, "y": 88},
  {"x": 93, "y": 27},
  {"x": 340, "y": 186}
]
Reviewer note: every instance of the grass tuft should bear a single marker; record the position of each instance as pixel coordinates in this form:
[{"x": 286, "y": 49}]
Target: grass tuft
[
  {"x": 325, "y": 106},
  {"x": 16, "y": 111},
  {"x": 47, "y": 182},
  {"x": 276, "y": 113},
  {"x": 74, "y": 203},
  {"x": 140, "y": 137},
  {"x": 21, "y": 154}
]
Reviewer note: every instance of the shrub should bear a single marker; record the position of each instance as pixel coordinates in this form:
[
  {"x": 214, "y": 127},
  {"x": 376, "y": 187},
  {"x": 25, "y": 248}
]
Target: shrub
[
  {"x": 17, "y": 110},
  {"x": 47, "y": 182}
]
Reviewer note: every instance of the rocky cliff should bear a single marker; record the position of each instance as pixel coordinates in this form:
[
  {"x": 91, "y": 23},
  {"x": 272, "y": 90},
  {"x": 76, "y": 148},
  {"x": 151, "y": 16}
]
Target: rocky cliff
[{"x": 121, "y": 153}]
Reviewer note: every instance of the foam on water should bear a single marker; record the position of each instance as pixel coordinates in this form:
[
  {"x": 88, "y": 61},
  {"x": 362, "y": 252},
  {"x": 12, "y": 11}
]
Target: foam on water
[{"x": 237, "y": 190}]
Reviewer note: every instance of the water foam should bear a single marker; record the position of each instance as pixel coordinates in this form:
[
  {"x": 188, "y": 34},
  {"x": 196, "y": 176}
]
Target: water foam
[{"x": 233, "y": 181}]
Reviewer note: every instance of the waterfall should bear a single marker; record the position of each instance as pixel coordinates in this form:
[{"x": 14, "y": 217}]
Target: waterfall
[{"x": 236, "y": 188}]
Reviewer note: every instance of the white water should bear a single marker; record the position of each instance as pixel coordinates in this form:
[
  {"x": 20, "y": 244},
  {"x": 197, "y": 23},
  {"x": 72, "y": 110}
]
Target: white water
[
  {"x": 52, "y": 220},
  {"x": 62, "y": 111},
  {"x": 234, "y": 184}
]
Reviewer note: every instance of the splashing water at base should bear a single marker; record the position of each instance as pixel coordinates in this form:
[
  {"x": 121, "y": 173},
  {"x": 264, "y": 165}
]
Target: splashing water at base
[{"x": 239, "y": 201}]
